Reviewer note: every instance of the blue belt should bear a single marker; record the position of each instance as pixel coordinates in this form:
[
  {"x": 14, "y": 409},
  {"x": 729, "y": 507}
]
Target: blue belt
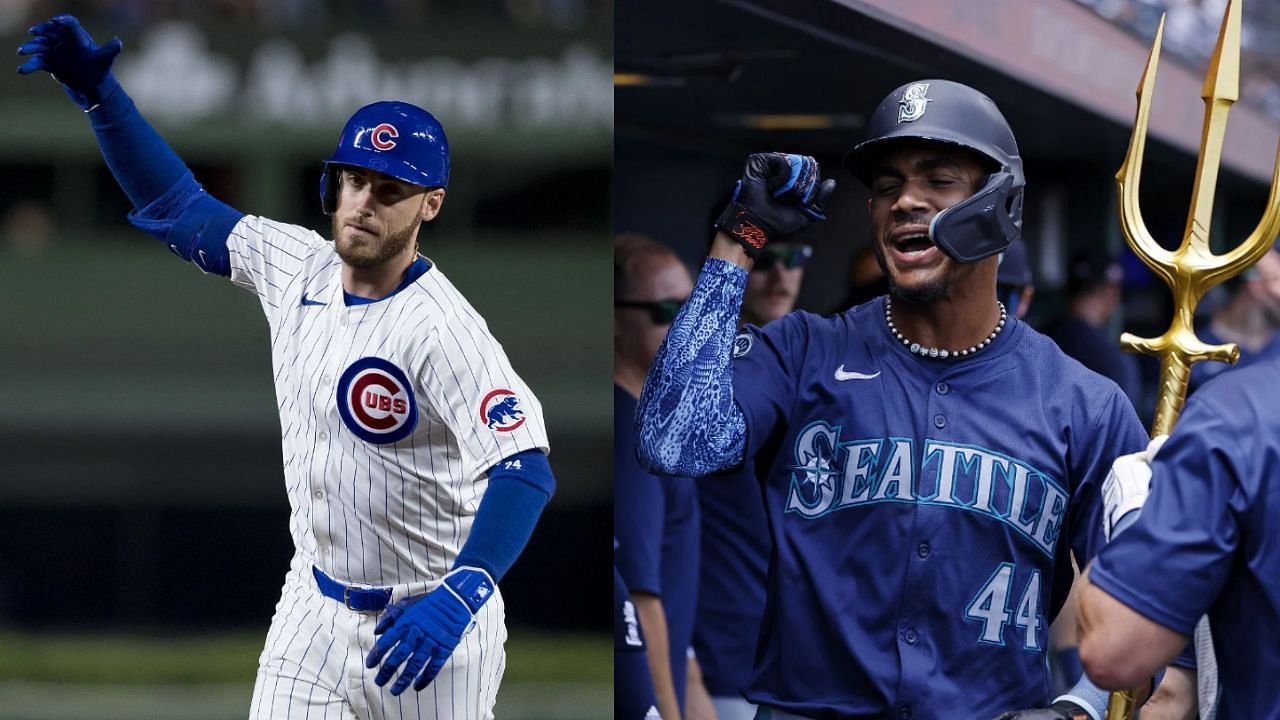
[{"x": 355, "y": 598}]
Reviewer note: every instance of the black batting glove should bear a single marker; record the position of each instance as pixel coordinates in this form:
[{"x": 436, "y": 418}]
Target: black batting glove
[
  {"x": 63, "y": 48},
  {"x": 779, "y": 195},
  {"x": 1061, "y": 710}
]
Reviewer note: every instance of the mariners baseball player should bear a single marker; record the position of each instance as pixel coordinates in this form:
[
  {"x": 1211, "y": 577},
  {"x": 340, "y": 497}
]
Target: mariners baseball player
[
  {"x": 414, "y": 455},
  {"x": 927, "y": 462},
  {"x": 1209, "y": 525}
]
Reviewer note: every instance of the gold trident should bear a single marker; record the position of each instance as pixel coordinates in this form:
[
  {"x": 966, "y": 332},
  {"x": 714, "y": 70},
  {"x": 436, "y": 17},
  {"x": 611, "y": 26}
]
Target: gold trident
[{"x": 1193, "y": 268}]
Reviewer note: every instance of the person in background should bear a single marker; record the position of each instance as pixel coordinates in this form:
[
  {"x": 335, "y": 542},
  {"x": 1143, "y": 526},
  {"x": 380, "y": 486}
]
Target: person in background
[
  {"x": 1093, "y": 296},
  {"x": 655, "y": 518}
]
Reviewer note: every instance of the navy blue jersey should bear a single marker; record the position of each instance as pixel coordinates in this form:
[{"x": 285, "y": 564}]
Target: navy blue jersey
[
  {"x": 922, "y": 512},
  {"x": 1202, "y": 372},
  {"x": 655, "y": 520},
  {"x": 735, "y": 562},
  {"x": 633, "y": 695},
  {"x": 1208, "y": 540}
]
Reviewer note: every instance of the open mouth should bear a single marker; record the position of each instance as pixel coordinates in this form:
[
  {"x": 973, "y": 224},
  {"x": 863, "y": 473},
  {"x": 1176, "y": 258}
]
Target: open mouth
[{"x": 913, "y": 244}]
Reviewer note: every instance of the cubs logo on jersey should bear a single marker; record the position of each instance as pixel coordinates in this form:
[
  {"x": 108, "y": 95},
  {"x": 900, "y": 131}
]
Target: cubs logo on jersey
[
  {"x": 500, "y": 410},
  {"x": 375, "y": 400}
]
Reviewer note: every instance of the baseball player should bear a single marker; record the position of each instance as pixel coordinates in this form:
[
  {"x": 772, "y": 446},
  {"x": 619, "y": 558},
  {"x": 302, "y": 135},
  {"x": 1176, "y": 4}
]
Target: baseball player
[
  {"x": 1205, "y": 541},
  {"x": 926, "y": 461},
  {"x": 414, "y": 455}
]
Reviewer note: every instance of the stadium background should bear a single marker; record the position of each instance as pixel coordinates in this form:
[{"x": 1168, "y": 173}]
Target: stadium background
[
  {"x": 701, "y": 85},
  {"x": 143, "y": 533}
]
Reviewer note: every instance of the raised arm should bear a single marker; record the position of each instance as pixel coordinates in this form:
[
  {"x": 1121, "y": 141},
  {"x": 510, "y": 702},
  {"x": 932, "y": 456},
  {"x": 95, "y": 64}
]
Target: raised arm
[
  {"x": 168, "y": 202},
  {"x": 687, "y": 421}
]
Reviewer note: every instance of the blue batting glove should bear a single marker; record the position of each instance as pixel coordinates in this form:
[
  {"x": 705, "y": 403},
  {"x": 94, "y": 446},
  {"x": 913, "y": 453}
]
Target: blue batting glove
[
  {"x": 62, "y": 48},
  {"x": 425, "y": 631}
]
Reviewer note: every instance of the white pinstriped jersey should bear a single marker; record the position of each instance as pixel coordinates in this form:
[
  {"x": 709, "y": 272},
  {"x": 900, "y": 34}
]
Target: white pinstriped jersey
[{"x": 391, "y": 412}]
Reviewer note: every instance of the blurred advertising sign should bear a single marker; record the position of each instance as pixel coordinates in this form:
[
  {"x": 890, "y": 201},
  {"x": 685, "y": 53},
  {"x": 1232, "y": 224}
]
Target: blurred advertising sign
[{"x": 176, "y": 77}]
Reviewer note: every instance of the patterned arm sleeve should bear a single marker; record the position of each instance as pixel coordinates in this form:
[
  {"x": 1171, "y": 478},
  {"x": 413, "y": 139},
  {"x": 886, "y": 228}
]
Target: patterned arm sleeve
[{"x": 687, "y": 422}]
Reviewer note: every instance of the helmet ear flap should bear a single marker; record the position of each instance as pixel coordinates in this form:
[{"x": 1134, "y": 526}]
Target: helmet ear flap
[{"x": 329, "y": 189}]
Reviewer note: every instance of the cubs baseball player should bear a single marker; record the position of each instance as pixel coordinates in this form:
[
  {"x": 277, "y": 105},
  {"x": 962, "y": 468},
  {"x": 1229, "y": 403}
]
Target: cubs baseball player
[
  {"x": 1205, "y": 541},
  {"x": 926, "y": 461},
  {"x": 414, "y": 455}
]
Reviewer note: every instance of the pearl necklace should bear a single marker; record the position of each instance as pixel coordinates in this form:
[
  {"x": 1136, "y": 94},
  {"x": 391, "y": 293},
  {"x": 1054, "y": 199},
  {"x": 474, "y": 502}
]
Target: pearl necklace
[{"x": 934, "y": 352}]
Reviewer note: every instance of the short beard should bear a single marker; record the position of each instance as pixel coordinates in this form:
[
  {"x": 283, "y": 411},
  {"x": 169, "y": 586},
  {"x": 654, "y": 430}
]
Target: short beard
[
  {"x": 392, "y": 246},
  {"x": 926, "y": 294}
]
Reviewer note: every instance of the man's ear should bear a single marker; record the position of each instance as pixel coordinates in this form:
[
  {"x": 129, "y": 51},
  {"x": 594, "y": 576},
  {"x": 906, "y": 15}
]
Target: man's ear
[{"x": 431, "y": 204}]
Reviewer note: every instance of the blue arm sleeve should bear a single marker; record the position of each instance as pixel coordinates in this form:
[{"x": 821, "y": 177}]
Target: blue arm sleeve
[
  {"x": 169, "y": 203},
  {"x": 687, "y": 422},
  {"x": 519, "y": 488}
]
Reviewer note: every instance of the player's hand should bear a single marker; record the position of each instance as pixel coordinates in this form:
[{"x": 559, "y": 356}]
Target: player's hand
[
  {"x": 1127, "y": 485},
  {"x": 1061, "y": 710},
  {"x": 62, "y": 48},
  {"x": 425, "y": 631},
  {"x": 778, "y": 195}
]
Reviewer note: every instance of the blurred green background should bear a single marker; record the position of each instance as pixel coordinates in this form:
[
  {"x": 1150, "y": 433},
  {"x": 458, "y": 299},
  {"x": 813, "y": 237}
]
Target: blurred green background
[{"x": 140, "y": 461}]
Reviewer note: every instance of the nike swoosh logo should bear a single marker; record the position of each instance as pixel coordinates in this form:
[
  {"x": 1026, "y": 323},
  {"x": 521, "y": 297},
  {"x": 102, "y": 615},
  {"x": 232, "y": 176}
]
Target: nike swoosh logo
[
  {"x": 842, "y": 375},
  {"x": 305, "y": 301}
]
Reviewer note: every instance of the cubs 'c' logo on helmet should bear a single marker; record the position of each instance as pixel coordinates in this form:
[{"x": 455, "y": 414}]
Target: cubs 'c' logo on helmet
[
  {"x": 380, "y": 136},
  {"x": 913, "y": 103},
  {"x": 375, "y": 401},
  {"x": 500, "y": 411}
]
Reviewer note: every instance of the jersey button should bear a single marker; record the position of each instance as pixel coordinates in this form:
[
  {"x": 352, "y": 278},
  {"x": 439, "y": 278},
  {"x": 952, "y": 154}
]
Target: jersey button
[
  {"x": 923, "y": 549},
  {"x": 319, "y": 494},
  {"x": 324, "y": 435},
  {"x": 326, "y": 380},
  {"x": 910, "y": 636},
  {"x": 939, "y": 421},
  {"x": 904, "y": 713},
  {"x": 943, "y": 388}
]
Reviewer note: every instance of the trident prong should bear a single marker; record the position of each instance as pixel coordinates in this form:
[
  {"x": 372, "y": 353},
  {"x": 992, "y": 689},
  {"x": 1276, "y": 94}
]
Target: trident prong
[{"x": 1193, "y": 268}]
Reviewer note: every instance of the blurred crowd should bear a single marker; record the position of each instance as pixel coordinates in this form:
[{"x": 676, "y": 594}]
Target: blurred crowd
[
  {"x": 282, "y": 15},
  {"x": 1191, "y": 31}
]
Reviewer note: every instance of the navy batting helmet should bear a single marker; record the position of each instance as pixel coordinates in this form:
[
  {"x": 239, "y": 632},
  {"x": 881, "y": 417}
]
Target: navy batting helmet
[
  {"x": 395, "y": 138},
  {"x": 941, "y": 111}
]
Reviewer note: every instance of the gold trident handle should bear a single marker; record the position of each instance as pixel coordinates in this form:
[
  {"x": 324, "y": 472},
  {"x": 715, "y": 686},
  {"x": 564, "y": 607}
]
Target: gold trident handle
[{"x": 1193, "y": 268}]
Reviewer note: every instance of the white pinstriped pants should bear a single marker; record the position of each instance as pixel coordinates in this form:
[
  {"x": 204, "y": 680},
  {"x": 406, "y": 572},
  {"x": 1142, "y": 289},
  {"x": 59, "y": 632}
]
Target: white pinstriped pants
[{"x": 312, "y": 667}]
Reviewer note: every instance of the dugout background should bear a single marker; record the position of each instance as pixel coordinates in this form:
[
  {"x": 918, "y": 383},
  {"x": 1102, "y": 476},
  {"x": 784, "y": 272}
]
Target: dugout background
[
  {"x": 143, "y": 518},
  {"x": 702, "y": 85}
]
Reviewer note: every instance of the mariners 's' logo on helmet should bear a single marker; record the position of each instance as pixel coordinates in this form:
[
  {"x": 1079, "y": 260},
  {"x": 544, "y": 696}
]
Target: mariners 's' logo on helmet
[
  {"x": 375, "y": 401},
  {"x": 500, "y": 411},
  {"x": 381, "y": 136},
  {"x": 913, "y": 103}
]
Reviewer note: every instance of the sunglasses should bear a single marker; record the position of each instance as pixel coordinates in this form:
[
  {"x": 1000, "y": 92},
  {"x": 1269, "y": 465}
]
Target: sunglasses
[
  {"x": 662, "y": 312},
  {"x": 791, "y": 257}
]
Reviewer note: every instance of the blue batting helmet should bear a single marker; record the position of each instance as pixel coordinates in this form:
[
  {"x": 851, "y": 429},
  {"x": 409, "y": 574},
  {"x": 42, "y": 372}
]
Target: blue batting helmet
[{"x": 395, "y": 138}]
